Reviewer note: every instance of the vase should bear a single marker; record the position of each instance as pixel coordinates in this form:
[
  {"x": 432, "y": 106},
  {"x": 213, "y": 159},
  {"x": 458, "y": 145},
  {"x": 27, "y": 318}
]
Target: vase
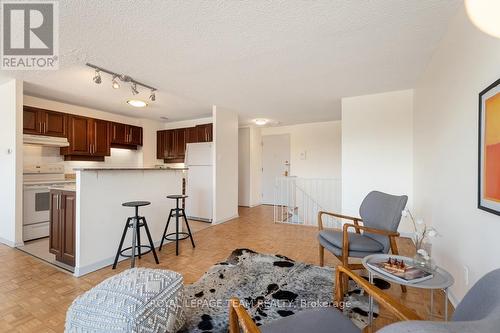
[{"x": 424, "y": 260}]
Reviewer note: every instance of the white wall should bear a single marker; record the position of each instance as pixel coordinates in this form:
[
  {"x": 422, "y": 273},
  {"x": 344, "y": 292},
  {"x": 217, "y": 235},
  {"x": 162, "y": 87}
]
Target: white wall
[
  {"x": 250, "y": 166},
  {"x": 446, "y": 131},
  {"x": 11, "y": 161},
  {"x": 321, "y": 143},
  {"x": 187, "y": 123},
  {"x": 144, "y": 156},
  {"x": 244, "y": 166},
  {"x": 377, "y": 148},
  {"x": 225, "y": 133}
]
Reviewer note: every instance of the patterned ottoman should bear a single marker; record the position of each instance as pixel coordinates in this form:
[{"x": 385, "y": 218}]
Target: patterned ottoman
[{"x": 136, "y": 300}]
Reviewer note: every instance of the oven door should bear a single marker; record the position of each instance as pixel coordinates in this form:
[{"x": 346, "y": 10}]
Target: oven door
[{"x": 36, "y": 204}]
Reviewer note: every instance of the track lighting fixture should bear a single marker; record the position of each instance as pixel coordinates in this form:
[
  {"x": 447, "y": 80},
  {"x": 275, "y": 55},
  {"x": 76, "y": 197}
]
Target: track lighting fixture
[
  {"x": 114, "y": 82},
  {"x": 116, "y": 77},
  {"x": 97, "y": 77},
  {"x": 133, "y": 86}
]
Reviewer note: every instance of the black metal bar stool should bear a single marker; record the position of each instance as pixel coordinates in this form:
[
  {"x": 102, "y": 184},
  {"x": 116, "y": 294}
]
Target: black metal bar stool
[
  {"x": 136, "y": 223},
  {"x": 177, "y": 212}
]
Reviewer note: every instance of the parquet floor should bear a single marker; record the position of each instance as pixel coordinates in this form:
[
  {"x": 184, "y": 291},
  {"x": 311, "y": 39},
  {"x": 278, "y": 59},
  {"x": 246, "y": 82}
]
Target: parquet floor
[{"x": 34, "y": 296}]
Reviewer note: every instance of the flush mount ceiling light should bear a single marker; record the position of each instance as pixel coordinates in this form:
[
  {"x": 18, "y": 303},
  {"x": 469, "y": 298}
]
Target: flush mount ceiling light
[
  {"x": 137, "y": 103},
  {"x": 484, "y": 15},
  {"x": 97, "y": 77},
  {"x": 124, "y": 78},
  {"x": 260, "y": 122},
  {"x": 114, "y": 82}
]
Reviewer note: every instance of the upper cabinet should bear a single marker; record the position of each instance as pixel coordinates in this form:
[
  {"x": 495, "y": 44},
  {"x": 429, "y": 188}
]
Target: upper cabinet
[
  {"x": 125, "y": 136},
  {"x": 171, "y": 144},
  {"x": 89, "y": 139},
  {"x": 44, "y": 122}
]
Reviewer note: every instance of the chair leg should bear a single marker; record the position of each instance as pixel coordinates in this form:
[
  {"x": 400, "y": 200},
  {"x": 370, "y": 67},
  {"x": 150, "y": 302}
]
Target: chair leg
[
  {"x": 187, "y": 225},
  {"x": 134, "y": 241},
  {"x": 165, "y": 231},
  {"x": 138, "y": 237},
  {"x": 321, "y": 255},
  {"x": 395, "y": 251},
  {"x": 121, "y": 244},
  {"x": 150, "y": 240}
]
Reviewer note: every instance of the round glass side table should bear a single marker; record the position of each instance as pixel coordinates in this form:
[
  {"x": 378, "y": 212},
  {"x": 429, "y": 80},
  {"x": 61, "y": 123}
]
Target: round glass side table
[{"x": 441, "y": 279}]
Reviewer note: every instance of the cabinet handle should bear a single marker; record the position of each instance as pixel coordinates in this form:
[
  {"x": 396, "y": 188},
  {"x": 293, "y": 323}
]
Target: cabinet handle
[
  {"x": 57, "y": 201},
  {"x": 40, "y": 127},
  {"x": 44, "y": 127}
]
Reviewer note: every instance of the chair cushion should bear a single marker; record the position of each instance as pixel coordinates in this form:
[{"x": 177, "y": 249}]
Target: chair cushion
[
  {"x": 357, "y": 242},
  {"x": 317, "y": 320}
]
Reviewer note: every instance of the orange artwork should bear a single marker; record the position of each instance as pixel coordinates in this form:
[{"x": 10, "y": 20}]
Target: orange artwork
[{"x": 492, "y": 149}]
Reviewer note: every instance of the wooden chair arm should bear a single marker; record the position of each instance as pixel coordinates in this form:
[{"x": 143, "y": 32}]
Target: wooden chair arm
[
  {"x": 400, "y": 311},
  {"x": 238, "y": 316},
  {"x": 356, "y": 220},
  {"x": 370, "y": 230}
]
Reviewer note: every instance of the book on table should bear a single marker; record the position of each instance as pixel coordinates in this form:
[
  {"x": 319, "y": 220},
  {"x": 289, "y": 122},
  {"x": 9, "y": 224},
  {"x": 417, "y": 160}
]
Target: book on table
[{"x": 410, "y": 274}]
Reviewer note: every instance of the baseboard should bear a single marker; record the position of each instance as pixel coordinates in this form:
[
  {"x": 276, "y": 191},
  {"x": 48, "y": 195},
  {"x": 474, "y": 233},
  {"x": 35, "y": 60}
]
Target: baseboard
[
  {"x": 8, "y": 242},
  {"x": 226, "y": 219},
  {"x": 83, "y": 270}
]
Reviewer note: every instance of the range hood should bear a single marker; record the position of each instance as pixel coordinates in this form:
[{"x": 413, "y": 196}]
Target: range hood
[{"x": 49, "y": 141}]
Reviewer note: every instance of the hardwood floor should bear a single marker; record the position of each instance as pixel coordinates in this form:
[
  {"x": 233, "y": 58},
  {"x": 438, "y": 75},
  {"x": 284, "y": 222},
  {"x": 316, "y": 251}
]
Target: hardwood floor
[{"x": 34, "y": 296}]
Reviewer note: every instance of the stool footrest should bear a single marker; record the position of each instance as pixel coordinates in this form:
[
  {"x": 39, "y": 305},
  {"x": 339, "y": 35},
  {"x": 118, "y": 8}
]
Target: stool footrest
[
  {"x": 138, "y": 247},
  {"x": 184, "y": 234}
]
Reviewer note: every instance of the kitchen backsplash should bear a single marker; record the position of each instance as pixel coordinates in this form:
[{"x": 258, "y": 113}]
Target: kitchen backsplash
[{"x": 34, "y": 154}]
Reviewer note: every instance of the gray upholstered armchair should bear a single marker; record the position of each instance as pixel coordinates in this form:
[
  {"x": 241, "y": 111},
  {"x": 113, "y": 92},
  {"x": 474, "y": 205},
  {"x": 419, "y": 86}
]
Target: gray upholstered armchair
[
  {"x": 380, "y": 214},
  {"x": 479, "y": 312}
]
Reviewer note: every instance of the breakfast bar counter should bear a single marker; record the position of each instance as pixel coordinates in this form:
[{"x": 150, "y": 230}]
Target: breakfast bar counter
[{"x": 100, "y": 216}]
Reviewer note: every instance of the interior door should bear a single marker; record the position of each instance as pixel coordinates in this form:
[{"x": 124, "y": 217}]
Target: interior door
[{"x": 275, "y": 161}]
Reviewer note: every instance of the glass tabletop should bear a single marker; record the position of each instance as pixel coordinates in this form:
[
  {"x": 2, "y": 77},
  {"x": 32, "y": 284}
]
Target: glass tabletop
[{"x": 441, "y": 279}]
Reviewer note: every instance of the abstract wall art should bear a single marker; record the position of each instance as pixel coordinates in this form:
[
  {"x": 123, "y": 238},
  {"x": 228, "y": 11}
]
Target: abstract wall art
[{"x": 489, "y": 149}]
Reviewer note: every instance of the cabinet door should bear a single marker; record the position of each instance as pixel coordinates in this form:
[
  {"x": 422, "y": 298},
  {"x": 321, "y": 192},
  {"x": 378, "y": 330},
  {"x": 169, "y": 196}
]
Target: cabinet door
[
  {"x": 191, "y": 135},
  {"x": 160, "y": 145},
  {"x": 68, "y": 218},
  {"x": 135, "y": 135},
  {"x": 54, "y": 123},
  {"x": 100, "y": 138},
  {"x": 119, "y": 133},
  {"x": 179, "y": 143},
  {"x": 169, "y": 144},
  {"x": 32, "y": 122},
  {"x": 78, "y": 136},
  {"x": 204, "y": 133},
  {"x": 55, "y": 224}
]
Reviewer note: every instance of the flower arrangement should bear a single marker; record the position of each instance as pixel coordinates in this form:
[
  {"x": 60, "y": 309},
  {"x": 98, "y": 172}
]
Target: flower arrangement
[{"x": 422, "y": 232}]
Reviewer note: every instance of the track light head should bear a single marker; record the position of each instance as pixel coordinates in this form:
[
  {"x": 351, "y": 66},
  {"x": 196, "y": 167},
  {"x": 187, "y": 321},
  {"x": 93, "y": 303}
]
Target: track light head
[
  {"x": 152, "y": 97},
  {"x": 97, "y": 77},
  {"x": 134, "y": 89},
  {"x": 114, "y": 82}
]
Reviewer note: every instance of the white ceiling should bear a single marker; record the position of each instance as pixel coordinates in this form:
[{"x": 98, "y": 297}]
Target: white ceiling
[{"x": 287, "y": 60}]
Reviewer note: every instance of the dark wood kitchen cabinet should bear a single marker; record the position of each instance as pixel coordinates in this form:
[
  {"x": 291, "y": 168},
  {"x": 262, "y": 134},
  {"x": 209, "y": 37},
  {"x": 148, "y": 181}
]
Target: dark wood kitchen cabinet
[
  {"x": 62, "y": 232},
  {"x": 89, "y": 139},
  {"x": 125, "y": 136},
  {"x": 171, "y": 144},
  {"x": 43, "y": 122},
  {"x": 204, "y": 133}
]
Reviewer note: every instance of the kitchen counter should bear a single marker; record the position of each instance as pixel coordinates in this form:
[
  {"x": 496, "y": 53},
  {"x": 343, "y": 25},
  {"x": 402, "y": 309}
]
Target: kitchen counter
[{"x": 128, "y": 169}]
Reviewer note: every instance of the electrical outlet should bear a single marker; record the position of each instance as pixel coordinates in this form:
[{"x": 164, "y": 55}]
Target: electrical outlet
[{"x": 466, "y": 275}]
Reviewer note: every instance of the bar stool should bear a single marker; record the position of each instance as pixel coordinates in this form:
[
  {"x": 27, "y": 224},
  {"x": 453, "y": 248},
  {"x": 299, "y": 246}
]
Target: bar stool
[
  {"x": 177, "y": 212},
  {"x": 135, "y": 223}
]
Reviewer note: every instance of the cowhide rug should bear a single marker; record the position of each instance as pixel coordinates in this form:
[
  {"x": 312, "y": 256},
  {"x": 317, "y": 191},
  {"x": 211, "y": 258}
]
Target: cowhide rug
[{"x": 270, "y": 287}]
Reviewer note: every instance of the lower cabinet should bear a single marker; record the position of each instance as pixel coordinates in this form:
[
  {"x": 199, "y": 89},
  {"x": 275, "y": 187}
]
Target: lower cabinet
[{"x": 62, "y": 226}]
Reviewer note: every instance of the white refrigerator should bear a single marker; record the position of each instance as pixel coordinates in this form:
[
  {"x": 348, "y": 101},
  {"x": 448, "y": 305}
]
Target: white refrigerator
[{"x": 199, "y": 185}]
